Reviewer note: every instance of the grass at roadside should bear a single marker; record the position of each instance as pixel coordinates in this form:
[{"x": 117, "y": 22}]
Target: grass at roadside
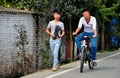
[{"x": 108, "y": 50}]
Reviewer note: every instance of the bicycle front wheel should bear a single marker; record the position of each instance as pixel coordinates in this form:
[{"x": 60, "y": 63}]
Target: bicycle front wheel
[
  {"x": 82, "y": 59},
  {"x": 90, "y": 61}
]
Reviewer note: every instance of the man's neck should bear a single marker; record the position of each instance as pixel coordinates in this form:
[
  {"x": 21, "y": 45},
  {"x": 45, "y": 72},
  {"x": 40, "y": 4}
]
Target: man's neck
[
  {"x": 56, "y": 20},
  {"x": 88, "y": 20}
]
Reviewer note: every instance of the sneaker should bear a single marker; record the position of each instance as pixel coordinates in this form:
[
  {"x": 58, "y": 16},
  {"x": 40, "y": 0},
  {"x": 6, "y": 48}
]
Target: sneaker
[
  {"x": 94, "y": 63},
  {"x": 58, "y": 66},
  {"x": 78, "y": 56},
  {"x": 54, "y": 69}
]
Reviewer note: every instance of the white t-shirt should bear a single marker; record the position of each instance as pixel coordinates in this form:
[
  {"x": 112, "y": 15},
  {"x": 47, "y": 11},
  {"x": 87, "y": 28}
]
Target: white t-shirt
[
  {"x": 88, "y": 27},
  {"x": 52, "y": 26}
]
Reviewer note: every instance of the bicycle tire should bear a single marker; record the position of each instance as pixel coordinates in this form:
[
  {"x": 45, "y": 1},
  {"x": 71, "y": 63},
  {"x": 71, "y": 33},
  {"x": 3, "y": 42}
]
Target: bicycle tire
[
  {"x": 90, "y": 61},
  {"x": 82, "y": 59}
]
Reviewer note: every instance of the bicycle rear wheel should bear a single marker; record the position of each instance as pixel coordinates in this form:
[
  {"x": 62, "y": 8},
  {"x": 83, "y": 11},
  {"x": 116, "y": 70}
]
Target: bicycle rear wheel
[
  {"x": 82, "y": 59},
  {"x": 90, "y": 61}
]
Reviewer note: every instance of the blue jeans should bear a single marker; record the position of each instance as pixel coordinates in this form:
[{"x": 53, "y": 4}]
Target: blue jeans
[
  {"x": 93, "y": 42},
  {"x": 55, "y": 46}
]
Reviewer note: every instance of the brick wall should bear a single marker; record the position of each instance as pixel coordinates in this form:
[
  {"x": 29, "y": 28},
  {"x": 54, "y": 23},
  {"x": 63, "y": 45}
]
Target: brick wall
[
  {"x": 15, "y": 28},
  {"x": 23, "y": 42}
]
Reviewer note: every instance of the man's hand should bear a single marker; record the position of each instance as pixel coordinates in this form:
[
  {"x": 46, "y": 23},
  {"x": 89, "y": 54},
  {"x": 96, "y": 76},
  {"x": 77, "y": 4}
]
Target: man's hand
[
  {"x": 74, "y": 33},
  {"x": 52, "y": 35},
  {"x": 94, "y": 36}
]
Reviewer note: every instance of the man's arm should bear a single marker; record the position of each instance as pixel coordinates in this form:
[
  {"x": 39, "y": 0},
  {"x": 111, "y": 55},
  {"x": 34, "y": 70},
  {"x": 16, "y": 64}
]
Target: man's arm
[
  {"x": 47, "y": 31},
  {"x": 94, "y": 28},
  {"x": 95, "y": 33},
  {"x": 77, "y": 30},
  {"x": 63, "y": 32},
  {"x": 79, "y": 26}
]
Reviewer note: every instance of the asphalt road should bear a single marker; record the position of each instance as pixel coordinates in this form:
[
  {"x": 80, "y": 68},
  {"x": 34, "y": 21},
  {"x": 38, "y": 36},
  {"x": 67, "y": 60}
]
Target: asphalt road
[{"x": 108, "y": 67}]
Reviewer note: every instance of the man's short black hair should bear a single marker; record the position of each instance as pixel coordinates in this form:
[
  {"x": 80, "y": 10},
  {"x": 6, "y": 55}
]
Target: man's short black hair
[
  {"x": 56, "y": 11},
  {"x": 84, "y": 10}
]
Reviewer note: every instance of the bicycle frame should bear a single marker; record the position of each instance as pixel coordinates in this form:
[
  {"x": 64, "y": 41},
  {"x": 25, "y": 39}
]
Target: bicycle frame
[
  {"x": 86, "y": 43},
  {"x": 86, "y": 54}
]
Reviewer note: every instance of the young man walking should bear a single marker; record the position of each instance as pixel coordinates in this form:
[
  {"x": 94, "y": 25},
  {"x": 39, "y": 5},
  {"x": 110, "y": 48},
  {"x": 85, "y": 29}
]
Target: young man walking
[{"x": 55, "y": 29}]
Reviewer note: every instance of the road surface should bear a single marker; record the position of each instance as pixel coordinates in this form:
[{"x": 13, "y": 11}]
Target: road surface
[{"x": 108, "y": 67}]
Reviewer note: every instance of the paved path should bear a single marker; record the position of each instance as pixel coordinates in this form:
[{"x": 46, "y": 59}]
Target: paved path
[{"x": 108, "y": 67}]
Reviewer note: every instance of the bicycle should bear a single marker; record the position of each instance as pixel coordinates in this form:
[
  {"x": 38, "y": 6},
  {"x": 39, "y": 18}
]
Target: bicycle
[{"x": 86, "y": 54}]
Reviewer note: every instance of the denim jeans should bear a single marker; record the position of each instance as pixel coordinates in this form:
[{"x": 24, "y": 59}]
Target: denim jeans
[
  {"x": 93, "y": 42},
  {"x": 55, "y": 46}
]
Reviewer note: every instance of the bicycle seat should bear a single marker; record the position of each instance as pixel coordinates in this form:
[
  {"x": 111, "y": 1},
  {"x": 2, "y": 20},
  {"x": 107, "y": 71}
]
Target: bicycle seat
[{"x": 87, "y": 36}]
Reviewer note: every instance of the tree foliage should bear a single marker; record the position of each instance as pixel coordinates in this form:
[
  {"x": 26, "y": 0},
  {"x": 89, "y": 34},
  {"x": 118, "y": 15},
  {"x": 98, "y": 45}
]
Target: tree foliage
[
  {"x": 104, "y": 10},
  {"x": 107, "y": 8},
  {"x": 19, "y": 4}
]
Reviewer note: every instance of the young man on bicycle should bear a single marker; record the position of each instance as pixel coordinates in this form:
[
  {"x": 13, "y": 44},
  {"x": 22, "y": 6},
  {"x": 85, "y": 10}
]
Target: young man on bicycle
[
  {"x": 55, "y": 29},
  {"x": 89, "y": 23}
]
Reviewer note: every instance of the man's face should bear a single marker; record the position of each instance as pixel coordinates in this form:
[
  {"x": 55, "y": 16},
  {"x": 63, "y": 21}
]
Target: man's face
[
  {"x": 86, "y": 15},
  {"x": 57, "y": 16}
]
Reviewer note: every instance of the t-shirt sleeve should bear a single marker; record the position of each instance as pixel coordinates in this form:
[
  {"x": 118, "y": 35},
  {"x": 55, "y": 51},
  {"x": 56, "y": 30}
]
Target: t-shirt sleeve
[
  {"x": 94, "y": 23},
  {"x": 49, "y": 25},
  {"x": 62, "y": 26},
  {"x": 80, "y": 23}
]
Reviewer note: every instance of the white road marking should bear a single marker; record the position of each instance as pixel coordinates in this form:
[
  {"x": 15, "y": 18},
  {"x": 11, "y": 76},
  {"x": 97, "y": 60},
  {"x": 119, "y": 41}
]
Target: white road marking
[
  {"x": 108, "y": 57},
  {"x": 68, "y": 70}
]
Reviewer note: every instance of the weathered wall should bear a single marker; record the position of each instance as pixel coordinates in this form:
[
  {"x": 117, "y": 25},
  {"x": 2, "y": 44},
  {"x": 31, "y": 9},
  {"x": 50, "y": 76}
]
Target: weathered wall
[
  {"x": 15, "y": 28},
  {"x": 24, "y": 44}
]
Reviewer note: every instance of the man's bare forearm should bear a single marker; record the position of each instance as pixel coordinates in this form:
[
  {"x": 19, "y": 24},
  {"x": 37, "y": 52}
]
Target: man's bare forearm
[
  {"x": 77, "y": 30},
  {"x": 63, "y": 32},
  {"x": 47, "y": 31},
  {"x": 95, "y": 33}
]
